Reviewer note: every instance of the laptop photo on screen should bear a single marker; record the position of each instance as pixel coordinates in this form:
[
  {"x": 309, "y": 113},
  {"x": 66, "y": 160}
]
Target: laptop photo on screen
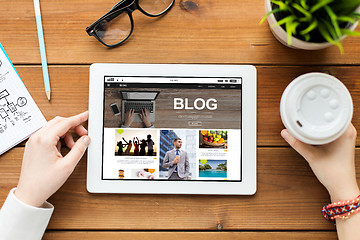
[{"x": 138, "y": 101}]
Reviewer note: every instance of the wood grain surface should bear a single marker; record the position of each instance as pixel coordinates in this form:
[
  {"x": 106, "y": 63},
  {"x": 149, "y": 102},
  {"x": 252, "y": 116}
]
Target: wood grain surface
[
  {"x": 289, "y": 197},
  {"x": 194, "y": 31},
  {"x": 190, "y": 235}
]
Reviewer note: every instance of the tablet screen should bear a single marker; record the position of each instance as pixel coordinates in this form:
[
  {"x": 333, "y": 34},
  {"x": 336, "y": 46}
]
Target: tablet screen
[{"x": 172, "y": 129}]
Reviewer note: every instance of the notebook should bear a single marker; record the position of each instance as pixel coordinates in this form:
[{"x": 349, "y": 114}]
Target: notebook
[{"x": 19, "y": 114}]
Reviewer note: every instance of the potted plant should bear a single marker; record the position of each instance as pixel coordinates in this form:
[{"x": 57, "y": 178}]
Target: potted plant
[{"x": 312, "y": 24}]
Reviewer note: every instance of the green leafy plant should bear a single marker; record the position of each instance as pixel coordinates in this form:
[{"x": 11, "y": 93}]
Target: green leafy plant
[{"x": 316, "y": 20}]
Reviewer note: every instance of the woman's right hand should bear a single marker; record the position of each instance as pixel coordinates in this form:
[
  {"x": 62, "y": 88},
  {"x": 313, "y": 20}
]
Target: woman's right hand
[{"x": 333, "y": 163}]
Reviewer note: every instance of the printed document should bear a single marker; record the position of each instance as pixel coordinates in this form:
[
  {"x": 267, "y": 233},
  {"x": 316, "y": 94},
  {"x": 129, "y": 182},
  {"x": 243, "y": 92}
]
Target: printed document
[{"x": 19, "y": 114}]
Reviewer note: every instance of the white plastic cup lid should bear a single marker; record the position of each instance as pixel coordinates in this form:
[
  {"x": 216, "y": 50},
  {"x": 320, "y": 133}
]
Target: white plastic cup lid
[{"x": 316, "y": 108}]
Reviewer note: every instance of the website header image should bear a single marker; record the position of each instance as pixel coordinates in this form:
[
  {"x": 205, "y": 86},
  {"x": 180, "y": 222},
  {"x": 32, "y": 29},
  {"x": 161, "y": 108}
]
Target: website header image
[{"x": 172, "y": 108}]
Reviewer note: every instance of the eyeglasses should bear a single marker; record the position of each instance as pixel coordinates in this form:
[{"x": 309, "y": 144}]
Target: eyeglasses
[{"x": 116, "y": 26}]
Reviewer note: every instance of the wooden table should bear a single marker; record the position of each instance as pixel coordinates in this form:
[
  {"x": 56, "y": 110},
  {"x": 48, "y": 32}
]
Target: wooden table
[{"x": 289, "y": 198}]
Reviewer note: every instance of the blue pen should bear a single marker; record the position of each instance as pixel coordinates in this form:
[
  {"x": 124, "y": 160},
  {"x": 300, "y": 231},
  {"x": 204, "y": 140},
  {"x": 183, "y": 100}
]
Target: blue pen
[{"x": 42, "y": 48}]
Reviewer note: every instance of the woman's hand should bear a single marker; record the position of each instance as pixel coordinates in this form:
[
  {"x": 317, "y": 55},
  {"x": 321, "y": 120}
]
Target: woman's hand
[
  {"x": 44, "y": 170},
  {"x": 333, "y": 163}
]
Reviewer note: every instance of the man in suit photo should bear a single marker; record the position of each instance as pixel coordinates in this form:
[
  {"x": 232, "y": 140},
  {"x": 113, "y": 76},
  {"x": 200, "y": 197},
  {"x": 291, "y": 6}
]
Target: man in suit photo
[{"x": 177, "y": 161}]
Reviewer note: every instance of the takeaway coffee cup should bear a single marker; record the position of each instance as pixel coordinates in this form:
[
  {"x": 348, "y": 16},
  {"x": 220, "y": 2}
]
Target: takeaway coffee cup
[{"x": 316, "y": 108}]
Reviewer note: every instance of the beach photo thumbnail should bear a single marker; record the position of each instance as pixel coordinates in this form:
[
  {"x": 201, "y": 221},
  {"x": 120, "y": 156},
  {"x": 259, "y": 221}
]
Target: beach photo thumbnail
[{"x": 212, "y": 168}]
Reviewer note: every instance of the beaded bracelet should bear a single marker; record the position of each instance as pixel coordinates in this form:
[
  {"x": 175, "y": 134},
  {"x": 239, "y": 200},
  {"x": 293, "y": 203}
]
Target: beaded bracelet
[{"x": 341, "y": 209}]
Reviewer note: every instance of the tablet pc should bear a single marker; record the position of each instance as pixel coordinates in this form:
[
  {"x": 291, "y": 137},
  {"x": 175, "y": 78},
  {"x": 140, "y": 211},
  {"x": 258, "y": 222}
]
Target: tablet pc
[{"x": 172, "y": 129}]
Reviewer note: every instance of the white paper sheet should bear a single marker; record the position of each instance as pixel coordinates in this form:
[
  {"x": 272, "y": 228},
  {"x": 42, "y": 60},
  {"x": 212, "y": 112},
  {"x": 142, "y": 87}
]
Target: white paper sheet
[{"x": 19, "y": 114}]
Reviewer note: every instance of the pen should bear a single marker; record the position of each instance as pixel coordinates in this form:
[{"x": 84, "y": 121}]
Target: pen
[{"x": 42, "y": 48}]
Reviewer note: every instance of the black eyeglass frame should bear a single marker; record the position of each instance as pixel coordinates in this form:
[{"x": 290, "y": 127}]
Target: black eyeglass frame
[{"x": 119, "y": 8}]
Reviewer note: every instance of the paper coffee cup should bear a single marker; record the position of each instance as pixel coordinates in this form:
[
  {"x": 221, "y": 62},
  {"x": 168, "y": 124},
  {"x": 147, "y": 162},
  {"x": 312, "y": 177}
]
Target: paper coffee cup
[{"x": 316, "y": 108}]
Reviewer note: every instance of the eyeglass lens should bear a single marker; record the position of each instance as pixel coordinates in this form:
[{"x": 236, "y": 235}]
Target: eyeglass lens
[
  {"x": 155, "y": 7},
  {"x": 114, "y": 29},
  {"x": 117, "y": 27}
]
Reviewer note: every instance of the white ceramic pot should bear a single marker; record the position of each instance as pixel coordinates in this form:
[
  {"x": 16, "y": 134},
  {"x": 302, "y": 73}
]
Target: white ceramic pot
[{"x": 281, "y": 35}]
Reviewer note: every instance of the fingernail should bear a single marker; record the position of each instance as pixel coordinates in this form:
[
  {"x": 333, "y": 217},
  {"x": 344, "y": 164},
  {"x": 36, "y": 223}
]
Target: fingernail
[
  {"x": 285, "y": 134},
  {"x": 87, "y": 140}
]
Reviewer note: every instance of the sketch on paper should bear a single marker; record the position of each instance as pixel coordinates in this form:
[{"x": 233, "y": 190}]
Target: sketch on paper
[{"x": 10, "y": 112}]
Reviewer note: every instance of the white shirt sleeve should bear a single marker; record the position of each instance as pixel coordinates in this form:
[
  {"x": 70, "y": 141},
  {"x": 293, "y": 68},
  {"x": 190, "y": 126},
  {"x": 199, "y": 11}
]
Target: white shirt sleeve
[{"x": 21, "y": 221}]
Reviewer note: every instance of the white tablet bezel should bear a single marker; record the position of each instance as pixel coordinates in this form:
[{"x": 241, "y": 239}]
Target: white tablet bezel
[{"x": 248, "y": 129}]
